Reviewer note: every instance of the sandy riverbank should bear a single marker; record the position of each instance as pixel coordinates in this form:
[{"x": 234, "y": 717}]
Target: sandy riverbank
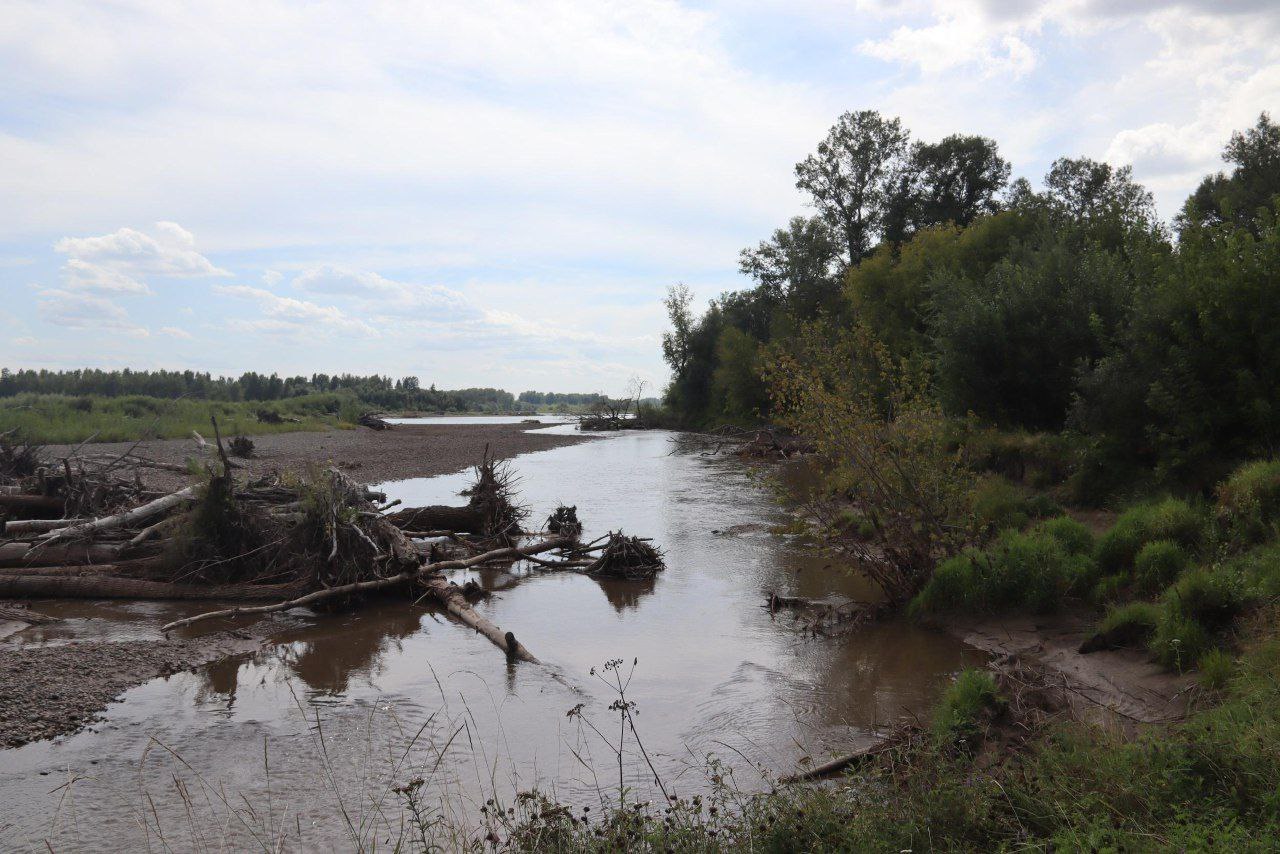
[{"x": 407, "y": 450}]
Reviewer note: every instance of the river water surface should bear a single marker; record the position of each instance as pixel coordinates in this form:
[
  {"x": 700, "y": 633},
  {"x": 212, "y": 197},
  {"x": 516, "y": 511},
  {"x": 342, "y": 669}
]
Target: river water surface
[{"x": 302, "y": 742}]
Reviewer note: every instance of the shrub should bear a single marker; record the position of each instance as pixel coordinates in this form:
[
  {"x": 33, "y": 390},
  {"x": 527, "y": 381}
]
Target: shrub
[
  {"x": 1215, "y": 668},
  {"x": 1158, "y": 565},
  {"x": 1108, "y": 589},
  {"x": 1128, "y": 625},
  {"x": 998, "y": 505},
  {"x": 1074, "y": 537},
  {"x": 1212, "y": 599},
  {"x": 1170, "y": 519},
  {"x": 959, "y": 717},
  {"x": 1249, "y": 501},
  {"x": 1031, "y": 570},
  {"x": 1179, "y": 643}
]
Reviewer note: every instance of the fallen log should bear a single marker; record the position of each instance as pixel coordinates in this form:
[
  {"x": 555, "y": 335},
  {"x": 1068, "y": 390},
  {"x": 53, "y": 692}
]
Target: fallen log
[
  {"x": 38, "y": 526},
  {"x": 441, "y": 517},
  {"x": 114, "y": 587},
  {"x": 42, "y": 503},
  {"x": 422, "y": 573},
  {"x": 122, "y": 520},
  {"x": 21, "y": 554},
  {"x": 452, "y": 597},
  {"x": 840, "y": 763}
]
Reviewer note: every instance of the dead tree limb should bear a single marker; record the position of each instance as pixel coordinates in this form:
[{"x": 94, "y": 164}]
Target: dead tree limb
[{"x": 123, "y": 520}]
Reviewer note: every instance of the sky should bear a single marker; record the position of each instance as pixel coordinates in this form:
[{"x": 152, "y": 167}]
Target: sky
[{"x": 495, "y": 193}]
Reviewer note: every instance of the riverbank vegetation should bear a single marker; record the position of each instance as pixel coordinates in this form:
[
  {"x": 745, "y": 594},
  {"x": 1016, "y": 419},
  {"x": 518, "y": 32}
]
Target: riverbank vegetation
[{"x": 54, "y": 407}]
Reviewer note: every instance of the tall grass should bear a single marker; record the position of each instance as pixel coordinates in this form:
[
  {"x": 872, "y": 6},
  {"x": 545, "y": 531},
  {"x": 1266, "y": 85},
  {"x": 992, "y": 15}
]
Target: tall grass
[{"x": 59, "y": 419}]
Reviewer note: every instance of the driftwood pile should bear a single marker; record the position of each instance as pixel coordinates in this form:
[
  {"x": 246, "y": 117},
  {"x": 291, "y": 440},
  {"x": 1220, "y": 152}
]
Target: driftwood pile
[
  {"x": 323, "y": 541},
  {"x": 373, "y": 421},
  {"x": 761, "y": 443}
]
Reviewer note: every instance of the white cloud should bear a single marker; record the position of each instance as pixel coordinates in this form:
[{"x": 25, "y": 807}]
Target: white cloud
[
  {"x": 169, "y": 252},
  {"x": 74, "y": 310},
  {"x": 85, "y": 276},
  {"x": 373, "y": 289},
  {"x": 286, "y": 315},
  {"x": 175, "y": 332}
]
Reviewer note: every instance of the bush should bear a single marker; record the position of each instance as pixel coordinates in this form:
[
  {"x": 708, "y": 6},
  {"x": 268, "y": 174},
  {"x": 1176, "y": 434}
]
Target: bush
[
  {"x": 959, "y": 717},
  {"x": 1074, "y": 536},
  {"x": 998, "y": 505},
  {"x": 1215, "y": 668},
  {"x": 1158, "y": 565},
  {"x": 1179, "y": 643},
  {"x": 1212, "y": 599},
  {"x": 1127, "y": 625},
  {"x": 1020, "y": 570},
  {"x": 1249, "y": 501},
  {"x": 1170, "y": 519}
]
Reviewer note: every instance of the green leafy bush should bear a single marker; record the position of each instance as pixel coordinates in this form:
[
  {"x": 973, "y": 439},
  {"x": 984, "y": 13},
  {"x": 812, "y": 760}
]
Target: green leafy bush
[
  {"x": 1215, "y": 668},
  {"x": 1127, "y": 625}
]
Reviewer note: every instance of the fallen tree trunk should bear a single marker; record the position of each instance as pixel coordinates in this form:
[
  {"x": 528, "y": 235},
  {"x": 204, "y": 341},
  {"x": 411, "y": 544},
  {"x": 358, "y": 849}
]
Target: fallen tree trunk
[
  {"x": 22, "y": 554},
  {"x": 453, "y": 600},
  {"x": 114, "y": 587},
  {"x": 126, "y": 519},
  {"x": 423, "y": 573},
  {"x": 440, "y": 517},
  {"x": 42, "y": 503},
  {"x": 38, "y": 526}
]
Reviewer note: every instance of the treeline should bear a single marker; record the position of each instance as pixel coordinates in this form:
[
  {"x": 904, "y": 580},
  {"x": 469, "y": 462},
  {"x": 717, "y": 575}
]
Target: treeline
[
  {"x": 405, "y": 393},
  {"x": 1071, "y": 309},
  {"x": 551, "y": 398}
]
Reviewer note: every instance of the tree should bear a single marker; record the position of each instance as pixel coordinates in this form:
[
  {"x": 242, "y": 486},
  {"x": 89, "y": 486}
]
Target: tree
[
  {"x": 853, "y": 175},
  {"x": 953, "y": 181},
  {"x": 1086, "y": 190},
  {"x": 675, "y": 344},
  {"x": 796, "y": 266},
  {"x": 1252, "y": 186}
]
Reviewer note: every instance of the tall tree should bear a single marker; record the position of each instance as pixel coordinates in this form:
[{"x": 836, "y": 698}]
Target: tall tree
[
  {"x": 1253, "y": 184},
  {"x": 797, "y": 266},
  {"x": 955, "y": 180},
  {"x": 853, "y": 176},
  {"x": 1086, "y": 190}
]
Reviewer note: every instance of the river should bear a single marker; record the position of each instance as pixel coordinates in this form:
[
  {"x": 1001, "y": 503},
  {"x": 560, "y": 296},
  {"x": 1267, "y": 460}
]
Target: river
[{"x": 302, "y": 741}]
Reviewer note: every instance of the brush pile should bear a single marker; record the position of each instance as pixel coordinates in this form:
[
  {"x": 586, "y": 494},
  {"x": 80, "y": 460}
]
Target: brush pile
[
  {"x": 762, "y": 443},
  {"x": 322, "y": 541}
]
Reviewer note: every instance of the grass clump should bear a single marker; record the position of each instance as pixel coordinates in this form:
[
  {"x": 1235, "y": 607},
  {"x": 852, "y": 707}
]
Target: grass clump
[
  {"x": 1130, "y": 625},
  {"x": 998, "y": 505},
  {"x": 1249, "y": 502},
  {"x": 1171, "y": 519},
  {"x": 1032, "y": 570},
  {"x": 1074, "y": 536},
  {"x": 970, "y": 701},
  {"x": 1157, "y": 565}
]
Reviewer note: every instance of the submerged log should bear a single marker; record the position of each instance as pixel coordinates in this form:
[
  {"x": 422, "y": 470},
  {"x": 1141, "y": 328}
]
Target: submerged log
[{"x": 453, "y": 599}]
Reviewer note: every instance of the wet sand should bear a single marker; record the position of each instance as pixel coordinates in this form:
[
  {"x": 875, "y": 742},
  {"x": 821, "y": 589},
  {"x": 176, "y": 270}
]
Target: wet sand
[{"x": 369, "y": 456}]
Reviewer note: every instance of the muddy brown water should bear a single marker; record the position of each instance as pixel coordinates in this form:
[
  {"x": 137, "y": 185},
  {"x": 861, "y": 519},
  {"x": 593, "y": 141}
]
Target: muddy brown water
[{"x": 299, "y": 744}]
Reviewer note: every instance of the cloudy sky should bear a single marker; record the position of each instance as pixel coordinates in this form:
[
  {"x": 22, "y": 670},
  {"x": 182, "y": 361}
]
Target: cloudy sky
[{"x": 487, "y": 192}]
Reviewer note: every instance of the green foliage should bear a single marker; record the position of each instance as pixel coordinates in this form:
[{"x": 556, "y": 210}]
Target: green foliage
[
  {"x": 1032, "y": 570},
  {"x": 960, "y": 717},
  {"x": 1157, "y": 565},
  {"x": 1169, "y": 519},
  {"x": 1249, "y": 501},
  {"x": 1074, "y": 536},
  {"x": 1039, "y": 460},
  {"x": 998, "y": 505},
  {"x": 1215, "y": 668},
  {"x": 1130, "y": 625},
  {"x": 1252, "y": 186},
  {"x": 55, "y": 419},
  {"x": 736, "y": 384}
]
